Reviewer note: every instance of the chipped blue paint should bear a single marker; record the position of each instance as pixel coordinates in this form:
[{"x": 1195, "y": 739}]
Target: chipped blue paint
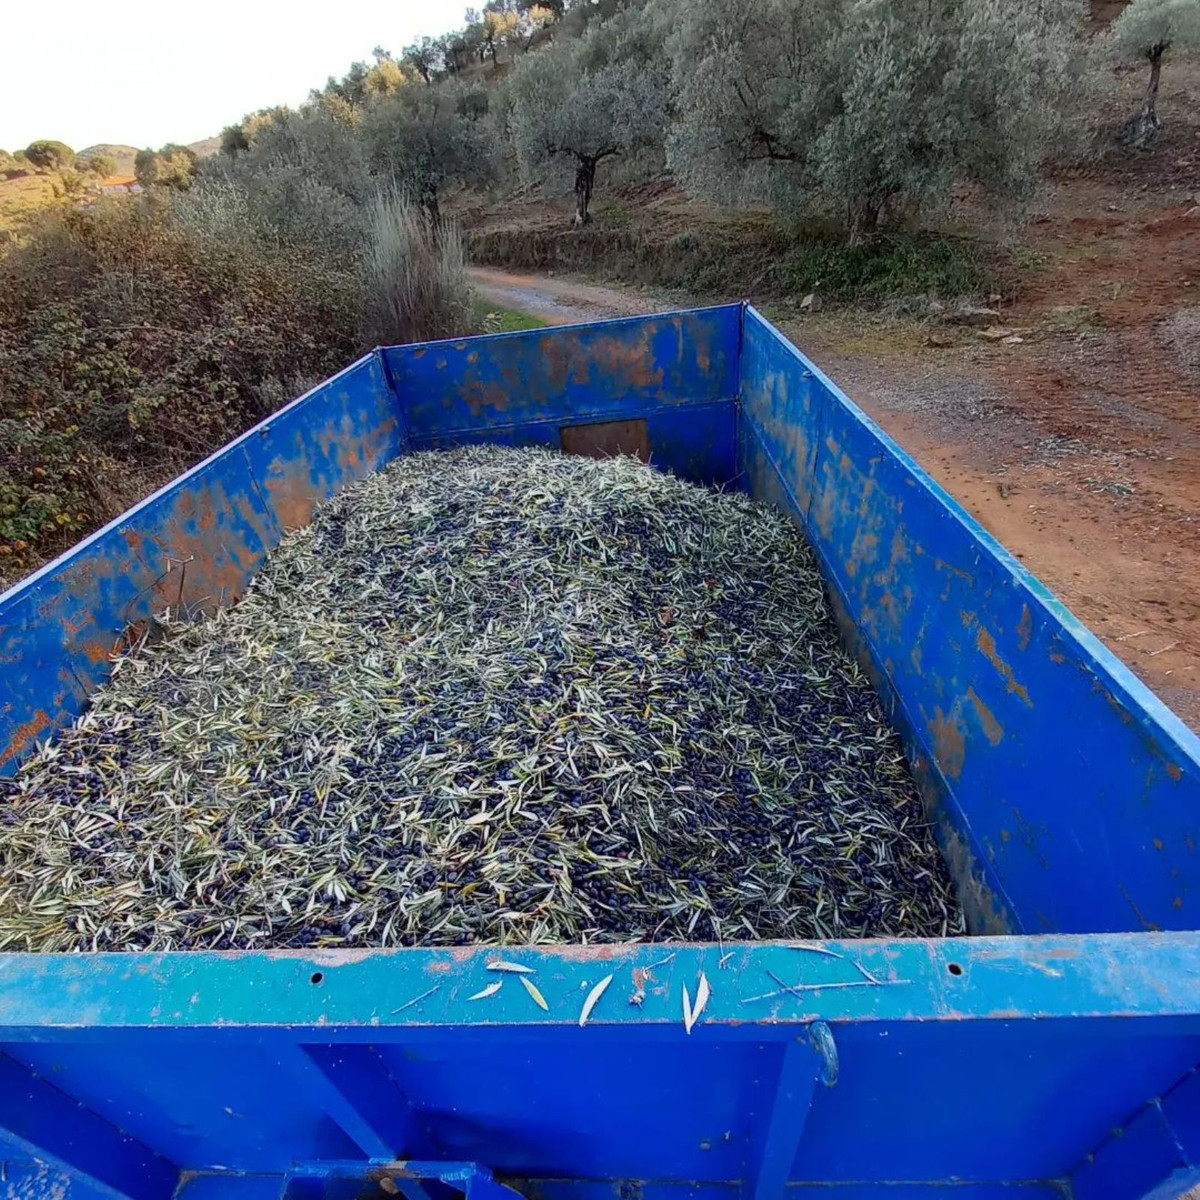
[
  {"x": 1066, "y": 794},
  {"x": 1012, "y": 1068},
  {"x": 611, "y": 370}
]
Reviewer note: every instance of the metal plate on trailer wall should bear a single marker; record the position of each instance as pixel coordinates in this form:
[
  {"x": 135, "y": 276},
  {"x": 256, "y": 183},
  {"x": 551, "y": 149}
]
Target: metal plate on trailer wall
[
  {"x": 1067, "y": 794},
  {"x": 606, "y": 439}
]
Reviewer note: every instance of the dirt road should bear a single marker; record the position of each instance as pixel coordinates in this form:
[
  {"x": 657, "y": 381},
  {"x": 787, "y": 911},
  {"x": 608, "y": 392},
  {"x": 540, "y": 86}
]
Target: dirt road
[
  {"x": 559, "y": 301},
  {"x": 1078, "y": 446}
]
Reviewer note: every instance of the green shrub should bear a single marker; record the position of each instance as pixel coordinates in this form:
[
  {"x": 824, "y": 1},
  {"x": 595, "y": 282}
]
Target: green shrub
[
  {"x": 136, "y": 339},
  {"x": 49, "y": 155},
  {"x": 173, "y": 166},
  {"x": 885, "y": 267},
  {"x": 98, "y": 164}
]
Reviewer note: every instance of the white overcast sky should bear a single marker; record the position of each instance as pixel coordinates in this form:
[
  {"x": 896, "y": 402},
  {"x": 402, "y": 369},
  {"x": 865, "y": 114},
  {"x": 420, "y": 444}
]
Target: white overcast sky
[{"x": 145, "y": 72}]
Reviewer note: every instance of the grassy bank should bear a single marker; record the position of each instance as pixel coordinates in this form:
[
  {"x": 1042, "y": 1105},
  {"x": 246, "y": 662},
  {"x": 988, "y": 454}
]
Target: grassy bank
[{"x": 759, "y": 258}]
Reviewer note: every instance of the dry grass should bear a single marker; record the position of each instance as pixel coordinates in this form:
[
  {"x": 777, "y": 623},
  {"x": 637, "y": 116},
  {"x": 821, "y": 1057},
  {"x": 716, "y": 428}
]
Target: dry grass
[
  {"x": 20, "y": 198},
  {"x": 416, "y": 285}
]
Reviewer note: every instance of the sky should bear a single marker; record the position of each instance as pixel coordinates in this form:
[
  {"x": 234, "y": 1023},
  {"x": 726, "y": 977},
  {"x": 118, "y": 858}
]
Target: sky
[{"x": 146, "y": 72}]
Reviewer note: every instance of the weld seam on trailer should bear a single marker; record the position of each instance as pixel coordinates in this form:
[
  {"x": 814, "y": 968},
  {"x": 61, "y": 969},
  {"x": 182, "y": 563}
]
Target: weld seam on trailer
[
  {"x": 259, "y": 485},
  {"x": 267, "y": 508},
  {"x": 389, "y": 381},
  {"x": 1159, "y": 1145}
]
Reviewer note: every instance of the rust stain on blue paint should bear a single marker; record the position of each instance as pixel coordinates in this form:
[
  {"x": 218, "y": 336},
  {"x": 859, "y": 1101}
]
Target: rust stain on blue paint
[
  {"x": 985, "y": 643},
  {"x": 992, "y": 729}
]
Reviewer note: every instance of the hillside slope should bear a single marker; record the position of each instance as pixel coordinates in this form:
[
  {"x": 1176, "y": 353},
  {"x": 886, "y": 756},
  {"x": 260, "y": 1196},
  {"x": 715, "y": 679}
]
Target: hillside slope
[
  {"x": 206, "y": 148},
  {"x": 123, "y": 155}
]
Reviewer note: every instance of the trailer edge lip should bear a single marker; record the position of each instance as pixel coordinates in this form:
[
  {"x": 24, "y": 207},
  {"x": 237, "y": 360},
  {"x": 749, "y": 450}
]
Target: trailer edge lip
[
  {"x": 540, "y": 331},
  {"x": 948, "y": 979}
]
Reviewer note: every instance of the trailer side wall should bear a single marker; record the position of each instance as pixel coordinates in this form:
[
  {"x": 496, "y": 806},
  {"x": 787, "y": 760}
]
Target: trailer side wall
[{"x": 1066, "y": 794}]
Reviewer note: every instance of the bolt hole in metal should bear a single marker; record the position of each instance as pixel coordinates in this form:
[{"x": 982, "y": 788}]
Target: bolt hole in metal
[
  {"x": 316, "y": 978},
  {"x": 954, "y": 969}
]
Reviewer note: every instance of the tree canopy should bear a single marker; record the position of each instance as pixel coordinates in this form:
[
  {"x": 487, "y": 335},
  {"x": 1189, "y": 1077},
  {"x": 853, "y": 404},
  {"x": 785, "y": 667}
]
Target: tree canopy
[
  {"x": 863, "y": 109},
  {"x": 420, "y": 139},
  {"x": 49, "y": 155},
  {"x": 1149, "y": 28},
  {"x": 423, "y": 57},
  {"x": 173, "y": 166},
  {"x": 863, "y": 113}
]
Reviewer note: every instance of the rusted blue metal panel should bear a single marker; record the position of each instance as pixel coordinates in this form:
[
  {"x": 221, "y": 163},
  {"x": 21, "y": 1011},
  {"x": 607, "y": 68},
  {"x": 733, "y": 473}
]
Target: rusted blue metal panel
[
  {"x": 1061, "y": 784},
  {"x": 678, "y": 371},
  {"x": 193, "y": 545}
]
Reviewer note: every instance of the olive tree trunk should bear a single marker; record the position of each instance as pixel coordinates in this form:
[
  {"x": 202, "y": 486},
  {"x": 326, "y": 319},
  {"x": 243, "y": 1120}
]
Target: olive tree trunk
[
  {"x": 585, "y": 179},
  {"x": 1143, "y": 127},
  {"x": 433, "y": 209}
]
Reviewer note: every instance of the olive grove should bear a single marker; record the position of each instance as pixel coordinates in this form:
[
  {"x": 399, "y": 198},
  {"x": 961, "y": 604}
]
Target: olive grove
[{"x": 866, "y": 111}]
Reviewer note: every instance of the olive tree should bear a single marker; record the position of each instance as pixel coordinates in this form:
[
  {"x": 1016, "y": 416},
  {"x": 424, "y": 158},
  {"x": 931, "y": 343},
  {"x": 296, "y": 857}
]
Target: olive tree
[
  {"x": 422, "y": 139},
  {"x": 387, "y": 75},
  {"x": 422, "y": 56},
  {"x": 173, "y": 166},
  {"x": 50, "y": 155},
  {"x": 102, "y": 165},
  {"x": 544, "y": 11},
  {"x": 496, "y": 26},
  {"x": 234, "y": 140},
  {"x": 320, "y": 141},
  {"x": 303, "y": 175},
  {"x": 865, "y": 110},
  {"x": 579, "y": 102},
  {"x": 1148, "y": 30}
]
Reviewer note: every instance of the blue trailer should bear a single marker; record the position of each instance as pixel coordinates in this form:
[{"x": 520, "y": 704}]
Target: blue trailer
[{"x": 1050, "y": 1055}]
